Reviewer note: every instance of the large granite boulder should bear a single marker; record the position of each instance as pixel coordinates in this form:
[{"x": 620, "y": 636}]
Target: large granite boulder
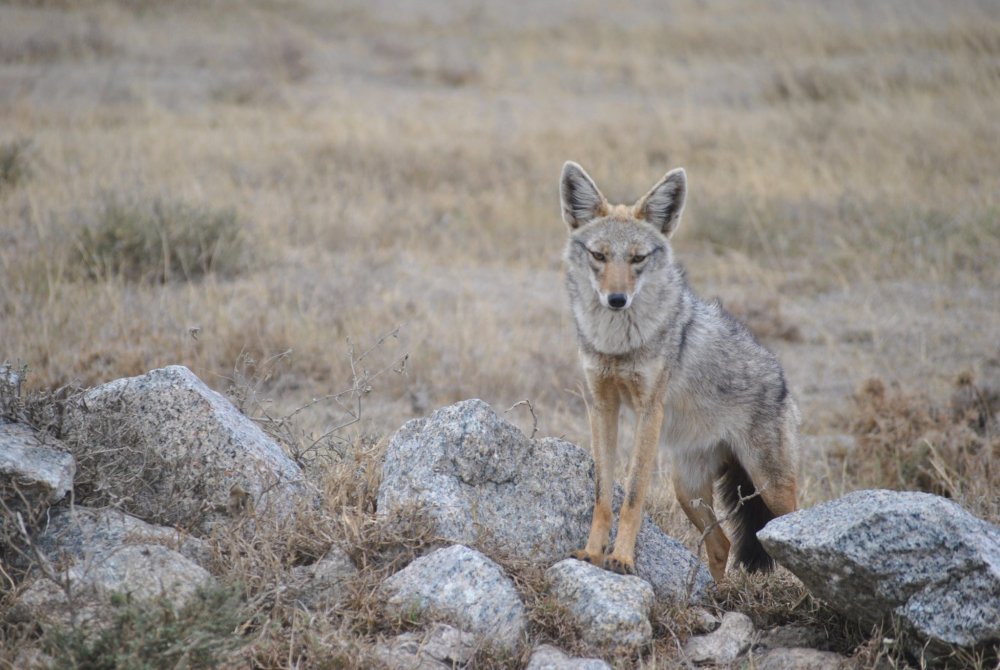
[
  {"x": 478, "y": 480},
  {"x": 165, "y": 447},
  {"x": 916, "y": 556}
]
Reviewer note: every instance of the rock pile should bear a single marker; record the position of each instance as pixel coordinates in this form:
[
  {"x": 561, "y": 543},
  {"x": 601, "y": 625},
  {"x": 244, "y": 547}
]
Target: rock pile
[{"x": 174, "y": 451}]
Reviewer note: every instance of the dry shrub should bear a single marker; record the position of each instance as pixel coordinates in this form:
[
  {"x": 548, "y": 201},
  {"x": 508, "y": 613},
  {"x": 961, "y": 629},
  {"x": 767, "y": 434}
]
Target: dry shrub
[
  {"x": 159, "y": 240},
  {"x": 907, "y": 441},
  {"x": 14, "y": 164}
]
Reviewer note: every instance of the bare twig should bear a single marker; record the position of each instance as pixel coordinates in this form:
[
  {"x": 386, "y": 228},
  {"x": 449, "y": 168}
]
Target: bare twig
[
  {"x": 534, "y": 417},
  {"x": 719, "y": 520}
]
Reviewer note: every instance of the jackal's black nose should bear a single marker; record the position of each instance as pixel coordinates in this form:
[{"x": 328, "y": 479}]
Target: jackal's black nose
[{"x": 617, "y": 300}]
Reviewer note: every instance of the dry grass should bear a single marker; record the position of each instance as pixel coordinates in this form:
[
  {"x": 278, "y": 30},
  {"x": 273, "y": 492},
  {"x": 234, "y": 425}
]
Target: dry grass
[{"x": 371, "y": 169}]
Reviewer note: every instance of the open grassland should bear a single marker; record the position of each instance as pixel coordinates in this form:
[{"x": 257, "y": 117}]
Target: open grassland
[{"x": 297, "y": 198}]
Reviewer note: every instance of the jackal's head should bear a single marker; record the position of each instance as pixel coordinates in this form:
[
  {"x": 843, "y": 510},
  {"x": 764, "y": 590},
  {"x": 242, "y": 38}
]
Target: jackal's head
[{"x": 619, "y": 246}]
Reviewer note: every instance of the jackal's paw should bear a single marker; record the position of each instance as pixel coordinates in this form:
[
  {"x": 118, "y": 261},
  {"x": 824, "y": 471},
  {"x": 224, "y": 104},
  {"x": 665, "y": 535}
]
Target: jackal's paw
[
  {"x": 620, "y": 566},
  {"x": 584, "y": 555}
]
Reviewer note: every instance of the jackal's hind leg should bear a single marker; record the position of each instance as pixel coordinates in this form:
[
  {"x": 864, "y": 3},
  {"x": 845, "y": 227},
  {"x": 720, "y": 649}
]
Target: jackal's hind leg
[{"x": 696, "y": 501}]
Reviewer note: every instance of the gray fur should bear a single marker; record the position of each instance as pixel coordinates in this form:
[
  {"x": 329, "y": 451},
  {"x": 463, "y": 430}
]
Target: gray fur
[{"x": 725, "y": 396}]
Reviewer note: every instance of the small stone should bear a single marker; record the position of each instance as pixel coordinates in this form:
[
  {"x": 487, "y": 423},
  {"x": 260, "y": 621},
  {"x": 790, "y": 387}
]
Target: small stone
[
  {"x": 792, "y": 636},
  {"x": 611, "y": 611},
  {"x": 39, "y": 469},
  {"x": 800, "y": 658},
  {"x": 325, "y": 582},
  {"x": 727, "y": 643},
  {"x": 98, "y": 553},
  {"x": 462, "y": 587},
  {"x": 441, "y": 647},
  {"x": 547, "y": 657}
]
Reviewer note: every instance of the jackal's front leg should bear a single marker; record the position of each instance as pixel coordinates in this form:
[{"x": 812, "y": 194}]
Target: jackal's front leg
[
  {"x": 604, "y": 442},
  {"x": 647, "y": 437}
]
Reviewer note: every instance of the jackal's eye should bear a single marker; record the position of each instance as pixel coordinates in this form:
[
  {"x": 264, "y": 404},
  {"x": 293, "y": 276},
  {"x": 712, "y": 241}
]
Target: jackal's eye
[
  {"x": 598, "y": 256},
  {"x": 637, "y": 258}
]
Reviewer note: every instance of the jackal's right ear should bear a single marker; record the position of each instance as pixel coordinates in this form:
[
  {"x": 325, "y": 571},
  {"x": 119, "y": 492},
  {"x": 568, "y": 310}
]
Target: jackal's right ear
[{"x": 581, "y": 199}]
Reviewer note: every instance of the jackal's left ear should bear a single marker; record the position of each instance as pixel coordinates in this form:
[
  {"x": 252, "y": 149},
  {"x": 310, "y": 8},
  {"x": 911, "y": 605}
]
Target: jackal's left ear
[
  {"x": 663, "y": 205},
  {"x": 581, "y": 200}
]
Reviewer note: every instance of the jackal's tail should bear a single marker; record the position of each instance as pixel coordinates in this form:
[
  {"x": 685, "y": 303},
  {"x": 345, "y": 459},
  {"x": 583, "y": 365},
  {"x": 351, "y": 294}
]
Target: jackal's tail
[{"x": 748, "y": 515}]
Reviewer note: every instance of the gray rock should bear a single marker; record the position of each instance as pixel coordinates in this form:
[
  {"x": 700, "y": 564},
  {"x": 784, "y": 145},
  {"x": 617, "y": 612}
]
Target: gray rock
[
  {"x": 675, "y": 574},
  {"x": 82, "y": 534},
  {"x": 325, "y": 583},
  {"x": 793, "y": 636},
  {"x": 725, "y": 644},
  {"x": 479, "y": 481},
  {"x": 610, "y": 611},
  {"x": 547, "y": 657},
  {"x": 704, "y": 621},
  {"x": 872, "y": 554},
  {"x": 459, "y": 586},
  {"x": 141, "y": 571},
  {"x": 164, "y": 446},
  {"x": 441, "y": 647},
  {"x": 39, "y": 469},
  {"x": 800, "y": 658},
  {"x": 96, "y": 553}
]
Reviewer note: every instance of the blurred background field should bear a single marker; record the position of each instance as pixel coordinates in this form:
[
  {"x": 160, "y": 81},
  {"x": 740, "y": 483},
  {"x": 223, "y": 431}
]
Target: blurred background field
[{"x": 257, "y": 189}]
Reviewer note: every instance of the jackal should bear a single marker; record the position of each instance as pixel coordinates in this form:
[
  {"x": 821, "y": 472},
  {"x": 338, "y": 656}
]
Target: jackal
[{"x": 686, "y": 367}]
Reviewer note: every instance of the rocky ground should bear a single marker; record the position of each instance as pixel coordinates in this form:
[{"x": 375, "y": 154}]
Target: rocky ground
[{"x": 475, "y": 520}]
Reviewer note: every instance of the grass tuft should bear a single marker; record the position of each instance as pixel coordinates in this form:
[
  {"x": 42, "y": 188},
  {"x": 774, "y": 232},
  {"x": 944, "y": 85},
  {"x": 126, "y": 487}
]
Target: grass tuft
[
  {"x": 159, "y": 241},
  {"x": 15, "y": 167},
  {"x": 155, "y": 635}
]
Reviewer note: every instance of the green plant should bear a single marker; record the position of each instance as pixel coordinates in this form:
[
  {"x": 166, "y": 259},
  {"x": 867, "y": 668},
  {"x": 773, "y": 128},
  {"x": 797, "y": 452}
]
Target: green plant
[
  {"x": 14, "y": 167},
  {"x": 148, "y": 635}
]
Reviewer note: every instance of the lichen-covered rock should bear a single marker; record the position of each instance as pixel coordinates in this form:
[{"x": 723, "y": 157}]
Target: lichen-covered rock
[
  {"x": 479, "y": 481},
  {"x": 547, "y": 657},
  {"x": 725, "y": 644},
  {"x": 462, "y": 587},
  {"x": 441, "y": 647},
  {"x": 40, "y": 470},
  {"x": 610, "y": 611},
  {"x": 166, "y": 447},
  {"x": 922, "y": 558}
]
